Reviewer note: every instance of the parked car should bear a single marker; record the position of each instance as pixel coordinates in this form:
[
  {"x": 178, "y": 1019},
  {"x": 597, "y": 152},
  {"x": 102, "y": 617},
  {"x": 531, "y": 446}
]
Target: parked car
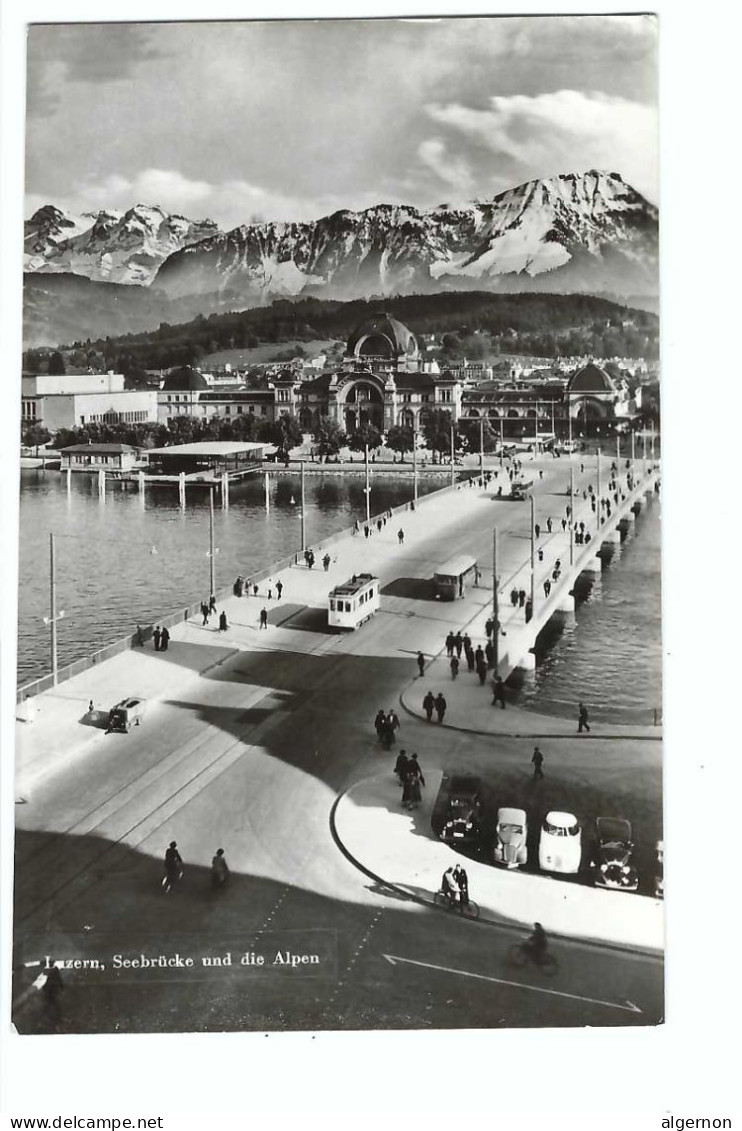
[
  {"x": 126, "y": 714},
  {"x": 463, "y": 819},
  {"x": 659, "y": 879},
  {"x": 510, "y": 838},
  {"x": 560, "y": 844},
  {"x": 613, "y": 865}
]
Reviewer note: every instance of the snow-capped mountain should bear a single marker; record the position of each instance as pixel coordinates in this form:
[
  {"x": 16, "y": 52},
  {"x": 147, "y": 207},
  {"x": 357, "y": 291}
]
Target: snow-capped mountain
[
  {"x": 577, "y": 232},
  {"x": 111, "y": 246}
]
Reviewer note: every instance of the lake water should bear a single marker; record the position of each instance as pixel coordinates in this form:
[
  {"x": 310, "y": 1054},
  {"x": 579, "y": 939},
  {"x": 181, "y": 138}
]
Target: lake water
[{"x": 119, "y": 563}]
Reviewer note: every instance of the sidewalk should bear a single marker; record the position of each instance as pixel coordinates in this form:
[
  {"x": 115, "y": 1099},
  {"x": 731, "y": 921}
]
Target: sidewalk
[{"x": 399, "y": 849}]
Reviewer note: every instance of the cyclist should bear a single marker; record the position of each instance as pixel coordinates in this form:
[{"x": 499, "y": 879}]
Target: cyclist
[
  {"x": 450, "y": 885},
  {"x": 536, "y": 943}
]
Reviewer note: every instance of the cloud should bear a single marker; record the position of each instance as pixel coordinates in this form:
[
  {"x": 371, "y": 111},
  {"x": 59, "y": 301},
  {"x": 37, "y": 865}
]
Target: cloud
[
  {"x": 559, "y": 132},
  {"x": 453, "y": 172}
]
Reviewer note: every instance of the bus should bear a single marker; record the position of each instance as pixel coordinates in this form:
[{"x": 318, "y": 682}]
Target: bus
[
  {"x": 354, "y": 602},
  {"x": 451, "y": 578}
]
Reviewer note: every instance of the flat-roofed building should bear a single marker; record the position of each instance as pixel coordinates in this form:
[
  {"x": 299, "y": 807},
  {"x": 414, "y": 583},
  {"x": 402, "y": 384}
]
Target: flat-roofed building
[
  {"x": 97, "y": 457},
  {"x": 214, "y": 456}
]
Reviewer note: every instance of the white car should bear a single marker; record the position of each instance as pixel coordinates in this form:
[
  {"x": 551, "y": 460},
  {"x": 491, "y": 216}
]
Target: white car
[
  {"x": 510, "y": 838},
  {"x": 560, "y": 846}
]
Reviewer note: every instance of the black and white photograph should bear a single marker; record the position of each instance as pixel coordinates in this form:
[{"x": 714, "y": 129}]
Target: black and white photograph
[{"x": 339, "y": 643}]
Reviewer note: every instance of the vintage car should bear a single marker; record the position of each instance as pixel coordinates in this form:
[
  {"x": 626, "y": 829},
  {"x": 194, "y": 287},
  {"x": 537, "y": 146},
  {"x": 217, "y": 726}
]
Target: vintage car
[
  {"x": 126, "y": 714},
  {"x": 462, "y": 823},
  {"x": 520, "y": 488},
  {"x": 560, "y": 844},
  {"x": 510, "y": 838},
  {"x": 613, "y": 867}
]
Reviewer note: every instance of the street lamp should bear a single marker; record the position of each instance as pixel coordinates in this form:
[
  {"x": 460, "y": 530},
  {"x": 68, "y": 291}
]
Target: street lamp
[{"x": 54, "y": 616}]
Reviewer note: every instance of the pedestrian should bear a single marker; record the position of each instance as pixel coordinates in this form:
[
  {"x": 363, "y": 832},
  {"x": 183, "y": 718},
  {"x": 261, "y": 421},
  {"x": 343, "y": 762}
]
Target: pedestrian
[
  {"x": 548, "y": 524},
  {"x": 513, "y": 598},
  {"x": 312, "y": 559},
  {"x": 173, "y": 867},
  {"x": 428, "y": 705},
  {"x": 91, "y": 707},
  {"x": 564, "y": 524},
  {"x": 212, "y": 604},
  {"x": 326, "y": 562},
  {"x": 482, "y": 670},
  {"x": 529, "y": 610},
  {"x": 393, "y": 721},
  {"x": 440, "y": 707},
  {"x": 157, "y": 636},
  {"x": 458, "y": 643},
  {"x": 380, "y": 723},
  {"x": 379, "y": 525},
  {"x": 164, "y": 640},
  {"x": 498, "y": 691},
  {"x": 255, "y": 589},
  {"x": 264, "y": 618},
  {"x": 139, "y": 638},
  {"x": 204, "y": 613},
  {"x": 279, "y": 589},
  {"x": 489, "y": 624},
  {"x": 521, "y": 598},
  {"x": 414, "y": 780},
  {"x": 540, "y": 555},
  {"x": 222, "y": 621},
  {"x": 450, "y": 643},
  {"x": 540, "y": 473},
  {"x": 400, "y": 537},
  {"x": 478, "y": 656},
  {"x": 219, "y": 869},
  {"x": 454, "y": 666},
  {"x": 537, "y": 530},
  {"x": 538, "y": 761},
  {"x": 547, "y": 587},
  {"x": 366, "y": 531},
  {"x": 270, "y": 590},
  {"x": 400, "y": 766},
  {"x": 237, "y": 587},
  {"x": 421, "y": 663},
  {"x": 582, "y": 723}
]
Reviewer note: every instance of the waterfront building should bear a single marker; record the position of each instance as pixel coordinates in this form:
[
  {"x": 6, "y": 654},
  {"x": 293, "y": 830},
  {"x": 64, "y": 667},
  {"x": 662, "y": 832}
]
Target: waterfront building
[
  {"x": 69, "y": 400},
  {"x": 97, "y": 457},
  {"x": 211, "y": 457}
]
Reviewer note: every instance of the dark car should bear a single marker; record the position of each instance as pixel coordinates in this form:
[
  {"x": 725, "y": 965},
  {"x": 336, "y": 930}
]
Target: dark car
[
  {"x": 613, "y": 866},
  {"x": 126, "y": 714},
  {"x": 463, "y": 819}
]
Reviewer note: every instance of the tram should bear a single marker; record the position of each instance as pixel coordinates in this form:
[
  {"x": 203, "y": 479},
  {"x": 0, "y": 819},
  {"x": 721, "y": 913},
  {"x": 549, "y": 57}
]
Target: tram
[
  {"x": 353, "y": 602},
  {"x": 451, "y": 578}
]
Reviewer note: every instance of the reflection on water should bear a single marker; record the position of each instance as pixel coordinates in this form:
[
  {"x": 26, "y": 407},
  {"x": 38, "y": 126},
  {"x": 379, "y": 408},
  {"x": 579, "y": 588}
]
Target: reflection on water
[{"x": 127, "y": 558}]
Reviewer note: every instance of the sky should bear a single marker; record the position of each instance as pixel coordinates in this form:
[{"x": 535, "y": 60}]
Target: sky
[{"x": 292, "y": 120}]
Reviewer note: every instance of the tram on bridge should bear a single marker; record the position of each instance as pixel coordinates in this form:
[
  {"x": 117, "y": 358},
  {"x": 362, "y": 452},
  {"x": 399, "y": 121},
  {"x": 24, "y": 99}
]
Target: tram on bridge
[{"x": 354, "y": 602}]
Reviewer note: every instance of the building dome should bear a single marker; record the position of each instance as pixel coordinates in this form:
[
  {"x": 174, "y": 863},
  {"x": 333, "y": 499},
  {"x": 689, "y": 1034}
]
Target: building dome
[
  {"x": 184, "y": 379},
  {"x": 382, "y": 336},
  {"x": 591, "y": 379}
]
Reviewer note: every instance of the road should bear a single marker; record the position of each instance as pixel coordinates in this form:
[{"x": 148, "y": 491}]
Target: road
[{"x": 250, "y": 756}]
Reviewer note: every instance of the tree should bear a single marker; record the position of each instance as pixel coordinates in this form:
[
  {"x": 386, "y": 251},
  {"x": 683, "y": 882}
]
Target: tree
[
  {"x": 56, "y": 364},
  {"x": 329, "y": 438},
  {"x": 365, "y": 436},
  {"x": 472, "y": 432},
  {"x": 437, "y": 431},
  {"x": 285, "y": 432},
  {"x": 400, "y": 439},
  {"x": 34, "y": 435}
]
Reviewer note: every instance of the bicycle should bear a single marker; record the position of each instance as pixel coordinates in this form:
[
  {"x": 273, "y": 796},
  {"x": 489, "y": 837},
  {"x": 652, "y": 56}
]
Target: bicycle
[
  {"x": 469, "y": 909},
  {"x": 522, "y": 953}
]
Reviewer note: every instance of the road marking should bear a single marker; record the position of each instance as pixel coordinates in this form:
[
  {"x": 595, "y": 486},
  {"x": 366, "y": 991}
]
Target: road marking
[{"x": 629, "y": 1006}]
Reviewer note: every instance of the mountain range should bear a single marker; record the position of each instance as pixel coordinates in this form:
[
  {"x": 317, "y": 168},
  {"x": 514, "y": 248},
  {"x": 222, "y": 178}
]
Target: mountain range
[{"x": 588, "y": 232}]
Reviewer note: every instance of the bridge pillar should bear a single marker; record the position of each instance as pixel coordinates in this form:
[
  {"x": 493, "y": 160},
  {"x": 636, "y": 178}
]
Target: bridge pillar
[
  {"x": 628, "y": 518},
  {"x": 566, "y": 603},
  {"x": 102, "y": 483},
  {"x": 225, "y": 489},
  {"x": 68, "y": 473},
  {"x": 593, "y": 565},
  {"x": 140, "y": 481},
  {"x": 612, "y": 537},
  {"x": 182, "y": 489},
  {"x": 527, "y": 662}
]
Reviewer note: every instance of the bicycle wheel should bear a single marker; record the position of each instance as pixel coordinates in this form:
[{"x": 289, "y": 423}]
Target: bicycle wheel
[
  {"x": 548, "y": 964},
  {"x": 518, "y": 955},
  {"x": 471, "y": 910},
  {"x": 440, "y": 899}
]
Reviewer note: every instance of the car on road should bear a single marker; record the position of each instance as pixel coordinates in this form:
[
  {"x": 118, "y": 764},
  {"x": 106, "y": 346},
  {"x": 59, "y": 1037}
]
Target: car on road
[
  {"x": 613, "y": 866},
  {"x": 463, "y": 820},
  {"x": 126, "y": 714},
  {"x": 560, "y": 843},
  {"x": 520, "y": 488},
  {"x": 510, "y": 838}
]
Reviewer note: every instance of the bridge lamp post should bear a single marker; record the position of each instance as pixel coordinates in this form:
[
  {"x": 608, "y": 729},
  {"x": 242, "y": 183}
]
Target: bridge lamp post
[
  {"x": 54, "y": 616},
  {"x": 367, "y": 488}
]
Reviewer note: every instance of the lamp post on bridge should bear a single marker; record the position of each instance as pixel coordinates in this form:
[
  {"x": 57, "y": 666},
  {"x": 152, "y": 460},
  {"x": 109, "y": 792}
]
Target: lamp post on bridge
[
  {"x": 54, "y": 616},
  {"x": 212, "y": 551},
  {"x": 571, "y": 516},
  {"x": 481, "y": 450},
  {"x": 414, "y": 465},
  {"x": 599, "y": 495},
  {"x": 495, "y": 606},
  {"x": 303, "y": 511},
  {"x": 453, "y": 465},
  {"x": 367, "y": 488},
  {"x": 533, "y": 556}
]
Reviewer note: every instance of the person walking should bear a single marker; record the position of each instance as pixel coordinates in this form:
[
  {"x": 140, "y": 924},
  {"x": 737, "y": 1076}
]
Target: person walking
[
  {"x": 429, "y": 705},
  {"x": 458, "y": 644},
  {"x": 454, "y": 666},
  {"x": 173, "y": 867},
  {"x": 547, "y": 587},
  {"x": 521, "y": 598},
  {"x": 204, "y": 613},
  {"x": 537, "y": 530},
  {"x": 440, "y": 707},
  {"x": 489, "y": 624},
  {"x": 498, "y": 691},
  {"x": 279, "y": 589},
  {"x": 393, "y": 722},
  {"x": 414, "y": 778},
  {"x": 582, "y": 719},
  {"x": 164, "y": 640},
  {"x": 223, "y": 621},
  {"x": 469, "y": 652},
  {"x": 529, "y": 610},
  {"x": 489, "y": 654},
  {"x": 548, "y": 524},
  {"x": 212, "y": 604},
  {"x": 421, "y": 664},
  {"x": 157, "y": 636},
  {"x": 400, "y": 537},
  {"x": 379, "y": 724},
  {"x": 326, "y": 562},
  {"x": 264, "y": 618},
  {"x": 513, "y": 598},
  {"x": 366, "y": 531},
  {"x": 537, "y": 761},
  {"x": 270, "y": 590},
  {"x": 450, "y": 643},
  {"x": 482, "y": 667},
  {"x": 219, "y": 869},
  {"x": 400, "y": 766},
  {"x": 255, "y": 589}
]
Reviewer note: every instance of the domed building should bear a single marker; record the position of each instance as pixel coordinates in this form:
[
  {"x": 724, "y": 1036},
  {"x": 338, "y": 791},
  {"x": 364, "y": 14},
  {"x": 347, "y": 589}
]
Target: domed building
[
  {"x": 386, "y": 340},
  {"x": 184, "y": 380},
  {"x": 592, "y": 394}
]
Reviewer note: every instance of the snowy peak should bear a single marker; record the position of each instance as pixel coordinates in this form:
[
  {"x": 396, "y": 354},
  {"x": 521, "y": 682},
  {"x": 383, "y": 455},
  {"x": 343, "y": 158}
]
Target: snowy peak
[{"x": 110, "y": 245}]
